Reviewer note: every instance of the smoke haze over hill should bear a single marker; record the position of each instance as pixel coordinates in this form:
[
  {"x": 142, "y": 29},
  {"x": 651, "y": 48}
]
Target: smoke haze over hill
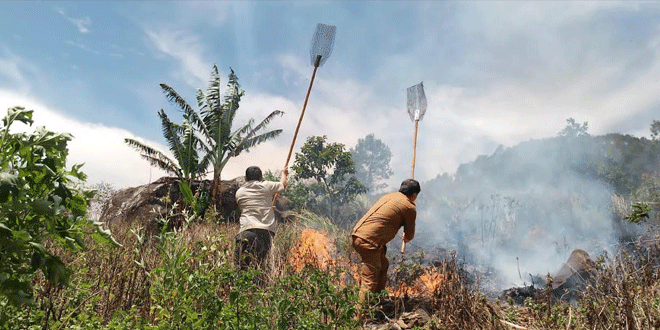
[{"x": 522, "y": 210}]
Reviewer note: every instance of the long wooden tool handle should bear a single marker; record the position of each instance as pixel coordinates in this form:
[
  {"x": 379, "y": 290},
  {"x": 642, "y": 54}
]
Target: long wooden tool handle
[
  {"x": 302, "y": 113},
  {"x": 295, "y": 135},
  {"x": 412, "y": 171},
  {"x": 412, "y": 176}
]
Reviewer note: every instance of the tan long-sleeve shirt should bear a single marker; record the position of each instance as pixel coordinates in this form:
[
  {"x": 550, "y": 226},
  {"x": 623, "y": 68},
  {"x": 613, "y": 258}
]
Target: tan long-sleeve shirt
[{"x": 381, "y": 223}]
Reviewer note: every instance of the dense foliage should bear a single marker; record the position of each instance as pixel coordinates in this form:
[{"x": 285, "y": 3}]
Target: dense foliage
[
  {"x": 37, "y": 204},
  {"x": 183, "y": 280},
  {"x": 324, "y": 176}
]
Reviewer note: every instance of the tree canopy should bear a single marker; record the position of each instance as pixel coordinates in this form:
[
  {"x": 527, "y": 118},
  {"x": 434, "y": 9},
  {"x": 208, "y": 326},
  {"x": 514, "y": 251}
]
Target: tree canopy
[
  {"x": 655, "y": 130},
  {"x": 574, "y": 128},
  {"x": 372, "y": 163},
  {"x": 325, "y": 177}
]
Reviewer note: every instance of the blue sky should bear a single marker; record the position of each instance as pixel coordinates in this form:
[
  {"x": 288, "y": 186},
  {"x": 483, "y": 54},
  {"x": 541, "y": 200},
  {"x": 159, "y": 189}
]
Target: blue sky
[{"x": 494, "y": 73}]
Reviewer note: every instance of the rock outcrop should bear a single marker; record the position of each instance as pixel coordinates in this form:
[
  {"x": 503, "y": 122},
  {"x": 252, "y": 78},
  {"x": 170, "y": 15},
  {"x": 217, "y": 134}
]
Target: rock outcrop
[
  {"x": 143, "y": 204},
  {"x": 574, "y": 276},
  {"x": 567, "y": 284}
]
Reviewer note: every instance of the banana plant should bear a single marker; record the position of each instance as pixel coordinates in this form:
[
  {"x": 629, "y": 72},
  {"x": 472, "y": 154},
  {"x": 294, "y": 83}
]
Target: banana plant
[
  {"x": 183, "y": 143},
  {"x": 214, "y": 124}
]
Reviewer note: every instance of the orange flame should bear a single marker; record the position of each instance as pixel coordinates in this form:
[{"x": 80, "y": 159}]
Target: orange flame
[
  {"x": 314, "y": 248},
  {"x": 427, "y": 284}
]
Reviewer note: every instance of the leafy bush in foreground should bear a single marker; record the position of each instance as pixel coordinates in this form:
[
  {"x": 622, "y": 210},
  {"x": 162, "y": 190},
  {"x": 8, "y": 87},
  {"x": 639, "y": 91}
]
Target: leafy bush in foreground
[{"x": 37, "y": 203}]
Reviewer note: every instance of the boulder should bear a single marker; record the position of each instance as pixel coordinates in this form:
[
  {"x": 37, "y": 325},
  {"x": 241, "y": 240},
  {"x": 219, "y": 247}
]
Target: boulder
[
  {"x": 143, "y": 204},
  {"x": 573, "y": 277},
  {"x": 567, "y": 284},
  {"x": 519, "y": 294}
]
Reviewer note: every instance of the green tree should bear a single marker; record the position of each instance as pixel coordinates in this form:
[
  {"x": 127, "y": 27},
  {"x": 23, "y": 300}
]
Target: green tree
[
  {"x": 655, "y": 130},
  {"x": 574, "y": 129},
  {"x": 325, "y": 177},
  {"x": 184, "y": 145},
  {"x": 214, "y": 124},
  {"x": 38, "y": 204},
  {"x": 655, "y": 137},
  {"x": 372, "y": 163}
]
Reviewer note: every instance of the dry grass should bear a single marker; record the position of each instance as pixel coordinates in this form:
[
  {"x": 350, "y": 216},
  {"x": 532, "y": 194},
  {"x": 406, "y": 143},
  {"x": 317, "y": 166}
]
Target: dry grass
[
  {"x": 626, "y": 294},
  {"x": 117, "y": 278}
]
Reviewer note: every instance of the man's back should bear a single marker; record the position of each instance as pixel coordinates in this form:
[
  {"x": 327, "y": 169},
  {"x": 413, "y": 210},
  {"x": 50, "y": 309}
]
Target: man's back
[
  {"x": 381, "y": 223},
  {"x": 254, "y": 199}
]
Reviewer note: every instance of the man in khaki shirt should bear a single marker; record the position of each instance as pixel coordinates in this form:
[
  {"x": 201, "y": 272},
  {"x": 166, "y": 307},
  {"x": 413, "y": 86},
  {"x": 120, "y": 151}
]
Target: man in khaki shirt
[
  {"x": 379, "y": 226},
  {"x": 258, "y": 224}
]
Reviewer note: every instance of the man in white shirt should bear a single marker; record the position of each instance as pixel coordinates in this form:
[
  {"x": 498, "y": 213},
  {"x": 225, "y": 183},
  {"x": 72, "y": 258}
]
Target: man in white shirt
[{"x": 258, "y": 224}]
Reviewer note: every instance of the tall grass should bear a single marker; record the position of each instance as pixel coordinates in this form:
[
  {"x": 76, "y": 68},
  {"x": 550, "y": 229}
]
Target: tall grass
[{"x": 183, "y": 279}]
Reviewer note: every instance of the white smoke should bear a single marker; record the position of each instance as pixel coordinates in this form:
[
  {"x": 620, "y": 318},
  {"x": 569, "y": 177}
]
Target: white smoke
[{"x": 522, "y": 218}]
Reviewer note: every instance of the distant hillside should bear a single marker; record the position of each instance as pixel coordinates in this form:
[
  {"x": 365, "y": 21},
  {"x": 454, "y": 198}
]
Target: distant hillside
[{"x": 614, "y": 159}]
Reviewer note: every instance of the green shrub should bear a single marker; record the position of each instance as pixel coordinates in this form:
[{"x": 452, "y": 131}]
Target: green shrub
[{"x": 37, "y": 203}]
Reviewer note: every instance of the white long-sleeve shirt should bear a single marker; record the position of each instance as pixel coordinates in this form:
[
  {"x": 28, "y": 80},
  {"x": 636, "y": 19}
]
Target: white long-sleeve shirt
[{"x": 255, "y": 199}]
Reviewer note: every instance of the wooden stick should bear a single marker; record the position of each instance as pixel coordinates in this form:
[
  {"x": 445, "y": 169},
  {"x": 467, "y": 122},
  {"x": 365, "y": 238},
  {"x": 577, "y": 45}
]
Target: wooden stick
[
  {"x": 412, "y": 171},
  {"x": 412, "y": 176},
  {"x": 295, "y": 134},
  {"x": 512, "y": 325}
]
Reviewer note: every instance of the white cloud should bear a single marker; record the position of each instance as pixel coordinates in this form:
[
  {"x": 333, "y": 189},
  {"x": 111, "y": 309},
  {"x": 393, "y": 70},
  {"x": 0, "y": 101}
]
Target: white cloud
[
  {"x": 81, "y": 46},
  {"x": 13, "y": 68},
  {"x": 107, "y": 158},
  {"x": 537, "y": 64},
  {"x": 466, "y": 120},
  {"x": 117, "y": 50},
  {"x": 459, "y": 126},
  {"x": 187, "y": 49},
  {"x": 82, "y": 24},
  {"x": 498, "y": 20}
]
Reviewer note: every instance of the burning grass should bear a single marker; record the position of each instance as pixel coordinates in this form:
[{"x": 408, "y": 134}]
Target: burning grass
[
  {"x": 425, "y": 285},
  {"x": 436, "y": 290},
  {"x": 315, "y": 249}
]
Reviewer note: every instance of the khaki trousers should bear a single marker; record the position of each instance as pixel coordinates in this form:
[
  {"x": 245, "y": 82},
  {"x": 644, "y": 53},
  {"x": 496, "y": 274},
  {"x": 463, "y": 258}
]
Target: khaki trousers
[{"x": 373, "y": 270}]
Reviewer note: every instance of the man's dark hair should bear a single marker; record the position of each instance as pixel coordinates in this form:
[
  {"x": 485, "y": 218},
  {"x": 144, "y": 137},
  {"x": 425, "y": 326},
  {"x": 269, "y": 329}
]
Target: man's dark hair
[
  {"x": 409, "y": 187},
  {"x": 253, "y": 173}
]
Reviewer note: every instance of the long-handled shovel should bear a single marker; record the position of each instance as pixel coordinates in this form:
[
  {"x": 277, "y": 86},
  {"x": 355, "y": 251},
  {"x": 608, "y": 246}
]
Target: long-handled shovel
[
  {"x": 322, "y": 43},
  {"x": 416, "y": 109}
]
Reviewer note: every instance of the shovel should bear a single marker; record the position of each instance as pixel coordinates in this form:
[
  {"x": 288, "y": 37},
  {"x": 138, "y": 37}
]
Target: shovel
[
  {"x": 416, "y": 109},
  {"x": 322, "y": 43}
]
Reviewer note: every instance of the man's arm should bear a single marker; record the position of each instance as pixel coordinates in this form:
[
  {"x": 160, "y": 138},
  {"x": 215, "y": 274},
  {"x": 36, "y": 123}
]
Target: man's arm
[
  {"x": 285, "y": 172},
  {"x": 409, "y": 225}
]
